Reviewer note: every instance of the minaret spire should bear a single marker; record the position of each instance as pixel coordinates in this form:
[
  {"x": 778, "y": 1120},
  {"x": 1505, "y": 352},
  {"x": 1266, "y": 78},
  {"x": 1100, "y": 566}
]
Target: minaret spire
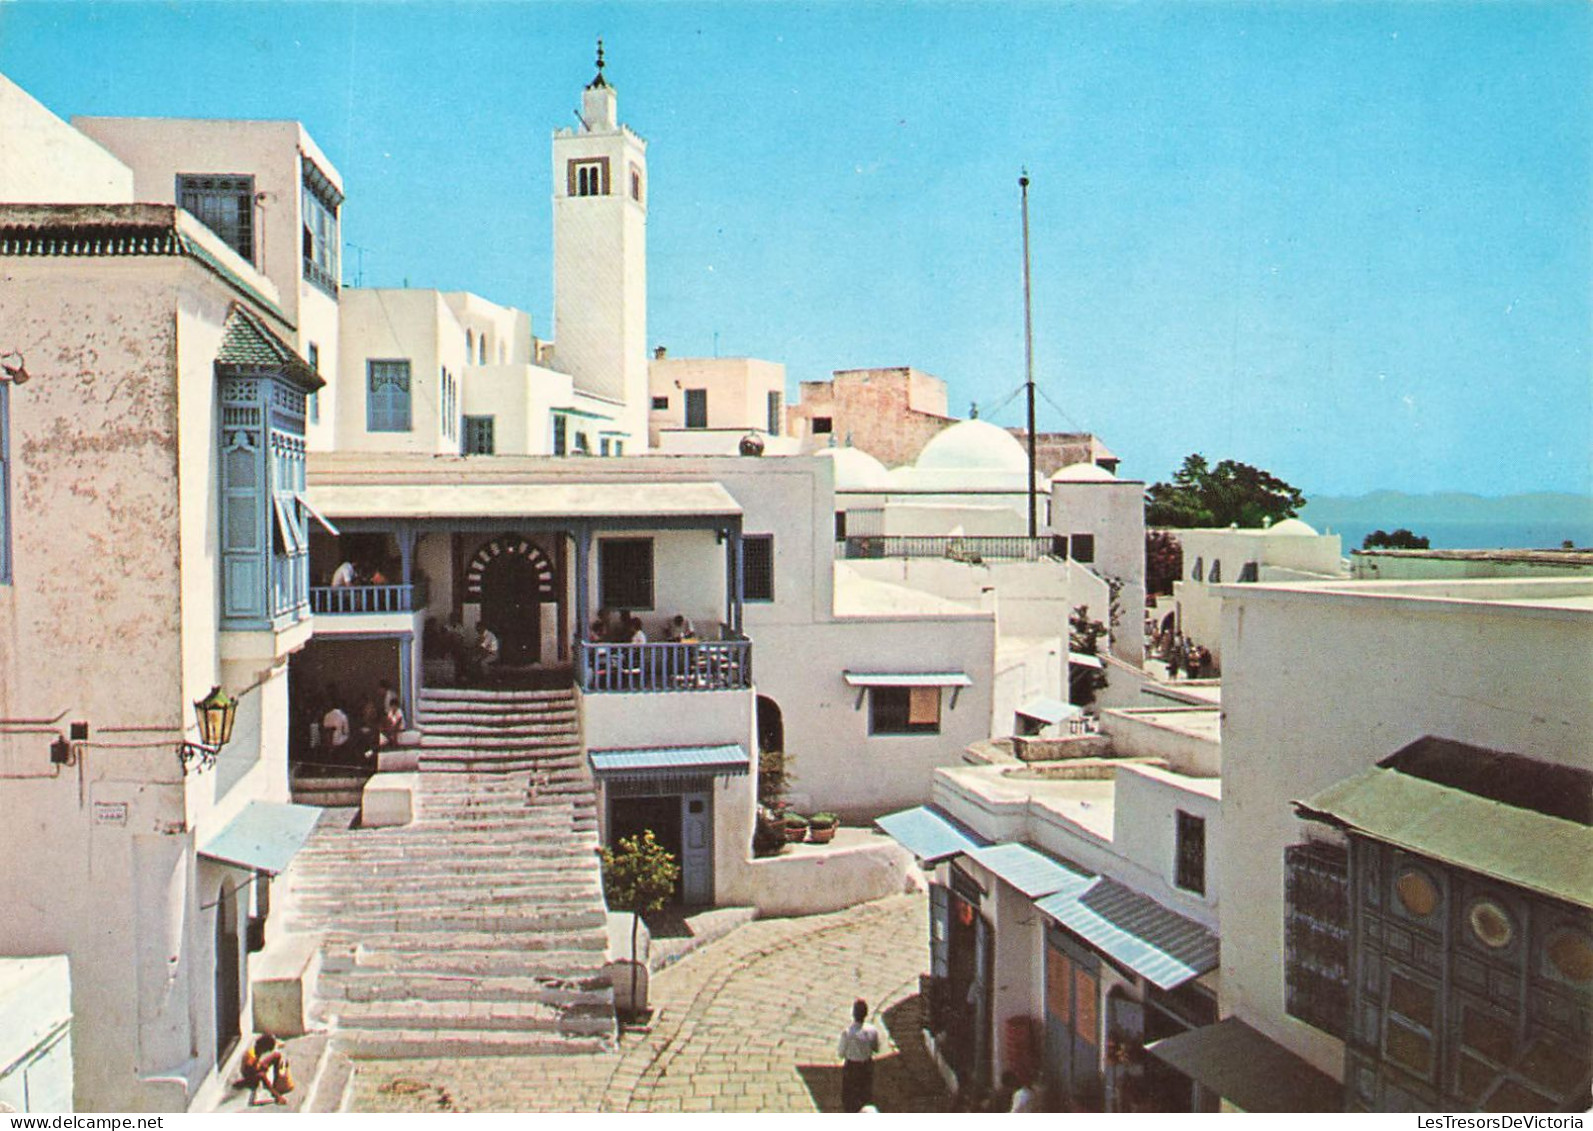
[{"x": 599, "y": 81}]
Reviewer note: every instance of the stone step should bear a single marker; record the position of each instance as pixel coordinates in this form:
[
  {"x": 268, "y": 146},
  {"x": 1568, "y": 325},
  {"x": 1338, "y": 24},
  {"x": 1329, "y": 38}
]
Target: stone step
[
  {"x": 486, "y": 695},
  {"x": 478, "y": 764},
  {"x": 422, "y": 1044},
  {"x": 387, "y": 985},
  {"x": 575, "y": 965},
  {"x": 363, "y": 878},
  {"x": 523, "y": 920},
  {"x": 473, "y": 1016},
  {"x": 565, "y": 741},
  {"x": 424, "y": 948},
  {"x": 528, "y": 730},
  {"x": 538, "y": 896}
]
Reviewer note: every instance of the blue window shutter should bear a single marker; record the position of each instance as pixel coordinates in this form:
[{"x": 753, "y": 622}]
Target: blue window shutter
[{"x": 387, "y": 396}]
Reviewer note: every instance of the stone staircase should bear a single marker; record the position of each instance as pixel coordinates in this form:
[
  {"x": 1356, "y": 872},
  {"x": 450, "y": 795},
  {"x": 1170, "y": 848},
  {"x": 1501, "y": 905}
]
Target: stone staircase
[{"x": 479, "y": 928}]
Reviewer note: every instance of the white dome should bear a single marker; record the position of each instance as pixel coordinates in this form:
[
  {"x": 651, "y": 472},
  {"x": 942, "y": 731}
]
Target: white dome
[
  {"x": 1083, "y": 473},
  {"x": 971, "y": 445},
  {"x": 1293, "y": 526},
  {"x": 856, "y": 470}
]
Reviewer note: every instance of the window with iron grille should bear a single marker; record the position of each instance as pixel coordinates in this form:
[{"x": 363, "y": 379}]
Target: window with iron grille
[
  {"x": 696, "y": 408},
  {"x": 319, "y": 203},
  {"x": 224, "y": 204},
  {"x": 625, "y": 573},
  {"x": 775, "y": 404},
  {"x": 660, "y": 403},
  {"x": 561, "y": 435},
  {"x": 1191, "y": 865},
  {"x": 479, "y": 439},
  {"x": 1316, "y": 936},
  {"x": 904, "y": 710},
  {"x": 757, "y": 567},
  {"x": 387, "y": 396},
  {"x": 1084, "y": 548}
]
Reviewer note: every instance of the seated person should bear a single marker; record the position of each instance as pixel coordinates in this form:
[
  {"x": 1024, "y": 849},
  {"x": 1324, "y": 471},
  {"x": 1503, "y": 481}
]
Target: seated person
[
  {"x": 265, "y": 1066},
  {"x": 392, "y": 724},
  {"x": 343, "y": 575},
  {"x": 638, "y": 634},
  {"x": 484, "y": 652},
  {"x": 335, "y": 732},
  {"x": 682, "y": 629}
]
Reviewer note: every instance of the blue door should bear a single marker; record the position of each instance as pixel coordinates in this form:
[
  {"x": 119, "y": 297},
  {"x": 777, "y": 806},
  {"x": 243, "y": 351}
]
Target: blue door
[{"x": 697, "y": 847}]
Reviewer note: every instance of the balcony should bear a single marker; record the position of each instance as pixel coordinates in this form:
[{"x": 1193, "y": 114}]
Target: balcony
[
  {"x": 338, "y": 600},
  {"x": 990, "y": 547},
  {"x": 719, "y": 665}
]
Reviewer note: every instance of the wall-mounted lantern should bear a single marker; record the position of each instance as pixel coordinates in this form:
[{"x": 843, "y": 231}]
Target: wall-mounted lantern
[{"x": 215, "y": 714}]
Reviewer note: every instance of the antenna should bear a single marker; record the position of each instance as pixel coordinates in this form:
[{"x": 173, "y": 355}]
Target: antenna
[{"x": 1028, "y": 347}]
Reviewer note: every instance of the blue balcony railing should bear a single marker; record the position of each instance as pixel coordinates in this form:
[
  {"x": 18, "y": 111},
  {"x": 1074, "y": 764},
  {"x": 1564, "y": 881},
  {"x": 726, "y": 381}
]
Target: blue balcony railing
[
  {"x": 336, "y": 600},
  {"x": 717, "y": 665},
  {"x": 978, "y": 547}
]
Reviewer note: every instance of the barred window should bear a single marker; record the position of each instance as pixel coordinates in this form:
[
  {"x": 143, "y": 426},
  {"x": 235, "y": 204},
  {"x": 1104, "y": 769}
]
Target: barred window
[
  {"x": 775, "y": 406},
  {"x": 1316, "y": 936},
  {"x": 387, "y": 396},
  {"x": 696, "y": 408},
  {"x": 561, "y": 435},
  {"x": 224, "y": 204},
  {"x": 479, "y": 439},
  {"x": 1191, "y": 869},
  {"x": 757, "y": 567},
  {"x": 625, "y": 573},
  {"x": 904, "y": 710},
  {"x": 319, "y": 203}
]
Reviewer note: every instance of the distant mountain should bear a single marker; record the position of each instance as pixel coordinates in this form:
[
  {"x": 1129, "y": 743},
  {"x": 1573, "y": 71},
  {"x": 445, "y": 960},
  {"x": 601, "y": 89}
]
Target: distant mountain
[{"x": 1455, "y": 520}]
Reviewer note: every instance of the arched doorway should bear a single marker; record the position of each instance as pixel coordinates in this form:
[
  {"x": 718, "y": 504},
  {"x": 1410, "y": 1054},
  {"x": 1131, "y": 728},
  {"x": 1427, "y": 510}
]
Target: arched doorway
[
  {"x": 512, "y": 579},
  {"x": 228, "y": 991},
  {"x": 771, "y": 751}
]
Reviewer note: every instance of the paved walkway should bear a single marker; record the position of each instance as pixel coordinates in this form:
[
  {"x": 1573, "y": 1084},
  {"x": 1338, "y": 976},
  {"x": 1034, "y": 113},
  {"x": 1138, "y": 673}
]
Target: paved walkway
[{"x": 747, "y": 1023}]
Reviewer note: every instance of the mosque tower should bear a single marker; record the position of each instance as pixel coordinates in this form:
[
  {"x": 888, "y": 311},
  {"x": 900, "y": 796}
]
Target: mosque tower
[{"x": 600, "y": 257}]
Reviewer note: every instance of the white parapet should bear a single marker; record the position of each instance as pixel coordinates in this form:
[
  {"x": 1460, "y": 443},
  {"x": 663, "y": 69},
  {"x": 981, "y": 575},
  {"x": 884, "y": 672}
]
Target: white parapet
[
  {"x": 388, "y": 800},
  {"x": 283, "y": 982}
]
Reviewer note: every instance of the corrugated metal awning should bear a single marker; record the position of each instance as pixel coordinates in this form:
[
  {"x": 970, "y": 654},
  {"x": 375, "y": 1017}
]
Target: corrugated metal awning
[
  {"x": 1049, "y": 710},
  {"x": 1542, "y": 853},
  {"x": 929, "y": 834},
  {"x": 668, "y": 760},
  {"x": 1033, "y": 873},
  {"x": 1135, "y": 931},
  {"x": 1250, "y": 1071},
  {"x": 1085, "y": 660},
  {"x": 907, "y": 679},
  {"x": 265, "y": 836}
]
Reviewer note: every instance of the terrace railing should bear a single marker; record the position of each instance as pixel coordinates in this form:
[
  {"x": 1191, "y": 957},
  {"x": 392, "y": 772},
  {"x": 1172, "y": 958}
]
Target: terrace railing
[
  {"x": 715, "y": 665},
  {"x": 335, "y": 600},
  {"x": 954, "y": 547}
]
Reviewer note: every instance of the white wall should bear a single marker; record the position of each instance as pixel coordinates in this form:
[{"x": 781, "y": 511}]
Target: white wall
[
  {"x": 1113, "y": 511},
  {"x": 737, "y": 388},
  {"x": 35, "y": 1034},
  {"x": 394, "y": 325},
  {"x": 49, "y": 162},
  {"x": 1322, "y": 683}
]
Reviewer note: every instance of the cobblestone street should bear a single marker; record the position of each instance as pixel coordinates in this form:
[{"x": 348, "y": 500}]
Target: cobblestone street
[{"x": 748, "y": 1023}]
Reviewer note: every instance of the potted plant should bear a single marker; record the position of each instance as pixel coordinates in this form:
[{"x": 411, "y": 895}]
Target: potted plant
[
  {"x": 822, "y": 826},
  {"x": 796, "y": 828}
]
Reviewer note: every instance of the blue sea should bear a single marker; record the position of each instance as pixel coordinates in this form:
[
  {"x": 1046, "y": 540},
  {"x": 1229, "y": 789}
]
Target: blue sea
[{"x": 1541, "y": 535}]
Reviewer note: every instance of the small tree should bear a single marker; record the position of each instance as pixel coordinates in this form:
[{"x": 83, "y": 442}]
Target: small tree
[
  {"x": 1230, "y": 494},
  {"x": 1084, "y": 637},
  {"x": 639, "y": 876},
  {"x": 1400, "y": 539},
  {"x": 1164, "y": 561}
]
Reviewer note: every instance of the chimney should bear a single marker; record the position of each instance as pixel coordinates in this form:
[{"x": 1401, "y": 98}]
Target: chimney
[{"x": 659, "y": 353}]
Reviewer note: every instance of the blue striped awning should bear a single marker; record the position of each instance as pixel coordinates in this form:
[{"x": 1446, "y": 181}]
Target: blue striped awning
[
  {"x": 1033, "y": 873},
  {"x": 265, "y": 836},
  {"x": 929, "y": 834},
  {"x": 1135, "y": 931},
  {"x": 668, "y": 760}
]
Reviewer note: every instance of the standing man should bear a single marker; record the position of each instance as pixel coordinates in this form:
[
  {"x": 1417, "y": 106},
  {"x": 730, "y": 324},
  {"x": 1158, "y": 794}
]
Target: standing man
[{"x": 858, "y": 1046}]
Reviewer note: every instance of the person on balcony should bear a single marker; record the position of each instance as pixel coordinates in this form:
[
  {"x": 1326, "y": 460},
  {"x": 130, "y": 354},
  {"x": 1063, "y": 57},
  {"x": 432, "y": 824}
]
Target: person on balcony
[
  {"x": 638, "y": 633},
  {"x": 681, "y": 630},
  {"x": 343, "y": 576}
]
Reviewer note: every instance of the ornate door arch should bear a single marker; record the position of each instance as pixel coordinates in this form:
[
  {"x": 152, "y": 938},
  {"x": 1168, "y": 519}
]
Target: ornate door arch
[{"x": 511, "y": 578}]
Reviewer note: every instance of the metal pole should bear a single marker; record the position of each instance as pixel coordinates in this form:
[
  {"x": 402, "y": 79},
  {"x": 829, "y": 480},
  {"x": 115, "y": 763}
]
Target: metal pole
[{"x": 1028, "y": 349}]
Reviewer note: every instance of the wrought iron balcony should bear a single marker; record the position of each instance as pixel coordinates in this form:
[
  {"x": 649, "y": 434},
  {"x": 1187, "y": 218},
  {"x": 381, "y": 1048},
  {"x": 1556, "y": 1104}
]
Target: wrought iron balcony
[
  {"x": 959, "y": 548},
  {"x": 337, "y": 600},
  {"x": 715, "y": 665}
]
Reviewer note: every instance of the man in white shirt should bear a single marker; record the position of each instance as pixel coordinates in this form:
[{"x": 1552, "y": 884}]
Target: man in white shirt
[
  {"x": 334, "y": 730},
  {"x": 858, "y": 1046},
  {"x": 486, "y": 650},
  {"x": 343, "y": 575}
]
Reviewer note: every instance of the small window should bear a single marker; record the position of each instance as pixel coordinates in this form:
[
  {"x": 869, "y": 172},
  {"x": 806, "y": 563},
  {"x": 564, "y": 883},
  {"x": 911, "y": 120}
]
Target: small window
[
  {"x": 822, "y": 425},
  {"x": 588, "y": 177},
  {"x": 583, "y": 444},
  {"x": 840, "y": 526},
  {"x": 470, "y": 344},
  {"x": 696, "y": 408},
  {"x": 313, "y": 401},
  {"x": 660, "y": 403},
  {"x": 479, "y": 439},
  {"x": 481, "y": 350},
  {"x": 1191, "y": 865},
  {"x": 636, "y": 184},
  {"x": 224, "y": 204},
  {"x": 561, "y": 435},
  {"x": 1198, "y": 571},
  {"x": 757, "y": 567},
  {"x": 603, "y": 446},
  {"x": 1215, "y": 576},
  {"x": 625, "y": 573},
  {"x": 387, "y": 396},
  {"x": 619, "y": 447},
  {"x": 1248, "y": 572},
  {"x": 904, "y": 710},
  {"x": 774, "y": 413},
  {"x": 1084, "y": 548}
]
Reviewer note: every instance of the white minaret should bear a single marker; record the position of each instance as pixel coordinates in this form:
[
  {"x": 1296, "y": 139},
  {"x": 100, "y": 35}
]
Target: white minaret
[{"x": 600, "y": 257}]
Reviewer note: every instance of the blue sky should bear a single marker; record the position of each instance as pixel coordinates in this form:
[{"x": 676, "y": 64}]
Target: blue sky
[{"x": 1347, "y": 242}]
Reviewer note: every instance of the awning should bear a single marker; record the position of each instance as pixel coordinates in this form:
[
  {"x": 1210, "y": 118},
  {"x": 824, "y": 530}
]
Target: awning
[
  {"x": 1033, "y": 873},
  {"x": 929, "y": 834},
  {"x": 1542, "y": 853},
  {"x": 582, "y": 413},
  {"x": 1248, "y": 1070},
  {"x": 286, "y": 528},
  {"x": 1135, "y": 931},
  {"x": 264, "y": 837},
  {"x": 315, "y": 514},
  {"x": 907, "y": 679},
  {"x": 620, "y": 765},
  {"x": 1085, "y": 660},
  {"x": 466, "y": 500},
  {"x": 1049, "y": 710}
]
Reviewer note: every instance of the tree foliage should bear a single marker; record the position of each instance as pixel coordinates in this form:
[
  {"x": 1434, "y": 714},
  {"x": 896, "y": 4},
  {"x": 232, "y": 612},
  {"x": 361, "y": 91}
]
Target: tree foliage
[
  {"x": 1084, "y": 637},
  {"x": 1229, "y": 494},
  {"x": 1164, "y": 561},
  {"x": 1400, "y": 539},
  {"x": 639, "y": 876}
]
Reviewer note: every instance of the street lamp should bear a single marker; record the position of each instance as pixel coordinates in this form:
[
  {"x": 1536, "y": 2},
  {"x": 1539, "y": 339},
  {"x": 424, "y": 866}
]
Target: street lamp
[{"x": 215, "y": 713}]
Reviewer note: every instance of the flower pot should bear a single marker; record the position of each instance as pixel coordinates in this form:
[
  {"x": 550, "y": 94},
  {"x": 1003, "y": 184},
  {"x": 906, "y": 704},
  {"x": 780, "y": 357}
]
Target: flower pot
[
  {"x": 795, "y": 834},
  {"x": 821, "y": 834}
]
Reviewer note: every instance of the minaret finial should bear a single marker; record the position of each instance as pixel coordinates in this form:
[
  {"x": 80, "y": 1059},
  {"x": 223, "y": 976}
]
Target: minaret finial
[{"x": 599, "y": 80}]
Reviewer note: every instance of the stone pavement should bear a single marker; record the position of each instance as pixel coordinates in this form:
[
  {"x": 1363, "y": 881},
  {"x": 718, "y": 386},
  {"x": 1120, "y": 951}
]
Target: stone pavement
[{"x": 747, "y": 1023}]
